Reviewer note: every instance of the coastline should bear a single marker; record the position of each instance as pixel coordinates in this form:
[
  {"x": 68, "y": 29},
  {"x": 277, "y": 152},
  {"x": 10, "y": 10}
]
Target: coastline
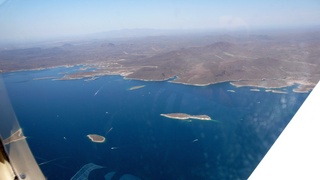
[{"x": 304, "y": 87}]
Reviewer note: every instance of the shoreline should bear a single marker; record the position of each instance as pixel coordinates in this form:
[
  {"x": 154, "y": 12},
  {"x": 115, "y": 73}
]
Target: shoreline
[{"x": 273, "y": 89}]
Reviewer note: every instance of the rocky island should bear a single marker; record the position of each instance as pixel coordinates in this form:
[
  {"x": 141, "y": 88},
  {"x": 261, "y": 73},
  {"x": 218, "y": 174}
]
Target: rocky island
[
  {"x": 186, "y": 117},
  {"x": 96, "y": 138}
]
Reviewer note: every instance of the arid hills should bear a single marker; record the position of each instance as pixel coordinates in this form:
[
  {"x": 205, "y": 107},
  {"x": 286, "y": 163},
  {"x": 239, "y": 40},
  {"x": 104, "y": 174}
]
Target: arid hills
[{"x": 259, "y": 60}]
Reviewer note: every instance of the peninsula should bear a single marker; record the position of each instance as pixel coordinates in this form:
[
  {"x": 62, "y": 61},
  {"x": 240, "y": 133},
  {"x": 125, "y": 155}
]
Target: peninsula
[{"x": 263, "y": 59}]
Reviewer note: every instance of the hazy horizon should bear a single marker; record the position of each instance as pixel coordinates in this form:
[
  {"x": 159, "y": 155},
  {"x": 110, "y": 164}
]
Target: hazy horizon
[{"x": 26, "y": 20}]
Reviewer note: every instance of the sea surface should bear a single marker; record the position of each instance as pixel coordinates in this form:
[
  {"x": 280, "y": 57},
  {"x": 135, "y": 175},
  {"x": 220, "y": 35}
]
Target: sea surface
[{"x": 56, "y": 116}]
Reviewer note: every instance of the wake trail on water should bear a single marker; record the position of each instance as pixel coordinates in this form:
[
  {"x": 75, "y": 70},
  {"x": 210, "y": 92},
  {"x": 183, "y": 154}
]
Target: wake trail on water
[
  {"x": 98, "y": 90},
  {"x": 46, "y": 162}
]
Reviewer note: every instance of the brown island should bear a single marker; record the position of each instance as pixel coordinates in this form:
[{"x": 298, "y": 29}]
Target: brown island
[
  {"x": 96, "y": 138},
  {"x": 186, "y": 117}
]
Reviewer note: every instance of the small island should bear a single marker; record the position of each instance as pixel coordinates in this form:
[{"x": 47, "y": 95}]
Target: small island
[
  {"x": 136, "y": 87},
  {"x": 279, "y": 92},
  {"x": 201, "y": 117},
  {"x": 96, "y": 138},
  {"x": 276, "y": 91},
  {"x": 186, "y": 117}
]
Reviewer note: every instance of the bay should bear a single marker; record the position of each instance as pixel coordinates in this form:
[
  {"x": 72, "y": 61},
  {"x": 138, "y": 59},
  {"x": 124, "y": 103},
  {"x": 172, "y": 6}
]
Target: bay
[{"x": 56, "y": 116}]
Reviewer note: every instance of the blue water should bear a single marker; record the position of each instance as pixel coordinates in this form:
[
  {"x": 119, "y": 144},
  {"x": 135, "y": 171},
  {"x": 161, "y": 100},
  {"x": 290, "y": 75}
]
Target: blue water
[{"x": 57, "y": 115}]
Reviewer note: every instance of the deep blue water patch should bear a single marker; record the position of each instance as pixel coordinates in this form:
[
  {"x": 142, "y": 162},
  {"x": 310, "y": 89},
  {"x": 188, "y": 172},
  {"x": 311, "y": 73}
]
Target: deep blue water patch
[{"x": 57, "y": 115}]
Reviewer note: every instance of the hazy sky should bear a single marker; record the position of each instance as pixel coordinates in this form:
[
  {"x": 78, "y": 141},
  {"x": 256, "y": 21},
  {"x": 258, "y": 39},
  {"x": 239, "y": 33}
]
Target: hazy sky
[{"x": 25, "y": 19}]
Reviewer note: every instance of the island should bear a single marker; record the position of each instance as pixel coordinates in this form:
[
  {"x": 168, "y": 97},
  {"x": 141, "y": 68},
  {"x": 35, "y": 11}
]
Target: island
[
  {"x": 136, "y": 87},
  {"x": 279, "y": 92},
  {"x": 186, "y": 117},
  {"x": 276, "y": 91},
  {"x": 96, "y": 138}
]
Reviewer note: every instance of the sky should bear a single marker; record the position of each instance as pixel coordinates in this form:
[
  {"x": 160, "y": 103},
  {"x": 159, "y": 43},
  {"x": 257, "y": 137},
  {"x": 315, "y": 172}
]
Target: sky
[{"x": 32, "y": 19}]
